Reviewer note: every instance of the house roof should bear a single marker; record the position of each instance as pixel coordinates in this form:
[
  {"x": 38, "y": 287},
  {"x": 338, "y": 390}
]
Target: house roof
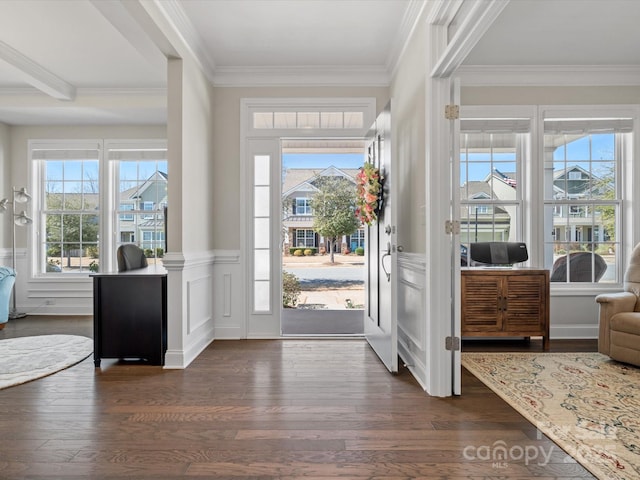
[{"x": 301, "y": 179}]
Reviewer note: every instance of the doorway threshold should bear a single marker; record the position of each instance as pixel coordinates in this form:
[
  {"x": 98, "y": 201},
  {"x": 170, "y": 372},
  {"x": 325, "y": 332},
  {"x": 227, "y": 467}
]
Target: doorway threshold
[{"x": 315, "y": 323}]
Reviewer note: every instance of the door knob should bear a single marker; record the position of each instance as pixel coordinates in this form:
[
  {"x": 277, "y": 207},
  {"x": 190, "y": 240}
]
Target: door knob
[{"x": 400, "y": 248}]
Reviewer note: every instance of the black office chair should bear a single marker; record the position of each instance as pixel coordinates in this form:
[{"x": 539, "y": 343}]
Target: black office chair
[
  {"x": 130, "y": 257},
  {"x": 581, "y": 265}
]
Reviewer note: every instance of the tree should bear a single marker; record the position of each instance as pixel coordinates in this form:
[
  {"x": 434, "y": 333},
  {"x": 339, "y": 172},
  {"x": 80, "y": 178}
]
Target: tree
[
  {"x": 333, "y": 207},
  {"x": 604, "y": 187},
  {"x": 69, "y": 230}
]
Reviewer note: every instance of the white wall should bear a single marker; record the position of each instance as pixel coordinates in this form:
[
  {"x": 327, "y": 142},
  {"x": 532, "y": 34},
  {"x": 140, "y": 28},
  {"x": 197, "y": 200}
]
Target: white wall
[
  {"x": 408, "y": 120},
  {"x": 5, "y": 181},
  {"x": 408, "y": 125}
]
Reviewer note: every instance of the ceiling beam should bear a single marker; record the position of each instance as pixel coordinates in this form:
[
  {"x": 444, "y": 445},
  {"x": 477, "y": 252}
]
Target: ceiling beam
[
  {"x": 36, "y": 75},
  {"x": 129, "y": 21}
]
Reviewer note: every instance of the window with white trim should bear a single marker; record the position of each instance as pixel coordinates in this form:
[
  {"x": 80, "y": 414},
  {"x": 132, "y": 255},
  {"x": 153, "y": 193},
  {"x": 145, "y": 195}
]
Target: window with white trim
[
  {"x": 303, "y": 206},
  {"x": 67, "y": 199},
  {"x": 582, "y": 197},
  {"x": 305, "y": 238},
  {"x": 69, "y": 208},
  {"x": 140, "y": 180},
  {"x": 491, "y": 155}
]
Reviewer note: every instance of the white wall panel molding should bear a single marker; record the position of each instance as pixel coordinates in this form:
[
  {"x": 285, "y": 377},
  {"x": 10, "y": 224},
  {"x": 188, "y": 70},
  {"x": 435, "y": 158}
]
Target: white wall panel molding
[
  {"x": 411, "y": 313},
  {"x": 189, "y": 306},
  {"x": 198, "y": 303},
  {"x": 228, "y": 296}
]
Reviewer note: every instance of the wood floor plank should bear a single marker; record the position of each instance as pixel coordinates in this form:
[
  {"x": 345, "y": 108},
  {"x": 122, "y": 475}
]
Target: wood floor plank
[{"x": 277, "y": 409}]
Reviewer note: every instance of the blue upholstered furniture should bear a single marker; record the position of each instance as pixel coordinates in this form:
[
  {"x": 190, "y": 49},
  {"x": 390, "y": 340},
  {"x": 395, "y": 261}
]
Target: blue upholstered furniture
[{"x": 7, "y": 279}]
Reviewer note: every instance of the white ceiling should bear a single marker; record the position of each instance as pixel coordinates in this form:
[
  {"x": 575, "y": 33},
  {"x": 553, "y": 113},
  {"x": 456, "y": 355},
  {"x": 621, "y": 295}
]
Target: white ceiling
[{"x": 100, "y": 61}]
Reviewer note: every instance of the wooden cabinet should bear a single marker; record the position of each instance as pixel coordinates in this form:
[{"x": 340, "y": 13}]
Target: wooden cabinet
[
  {"x": 130, "y": 315},
  {"x": 505, "y": 303}
]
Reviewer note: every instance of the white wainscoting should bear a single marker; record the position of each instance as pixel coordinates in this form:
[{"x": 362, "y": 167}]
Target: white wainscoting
[
  {"x": 59, "y": 295},
  {"x": 189, "y": 306},
  {"x": 573, "y": 316},
  {"x": 228, "y": 296},
  {"x": 412, "y": 335}
]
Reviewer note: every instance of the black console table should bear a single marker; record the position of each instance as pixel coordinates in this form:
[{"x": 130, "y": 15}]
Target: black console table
[{"x": 130, "y": 315}]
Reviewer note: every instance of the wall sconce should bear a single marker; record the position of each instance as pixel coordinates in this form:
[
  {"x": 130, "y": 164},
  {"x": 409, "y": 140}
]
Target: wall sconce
[{"x": 19, "y": 195}]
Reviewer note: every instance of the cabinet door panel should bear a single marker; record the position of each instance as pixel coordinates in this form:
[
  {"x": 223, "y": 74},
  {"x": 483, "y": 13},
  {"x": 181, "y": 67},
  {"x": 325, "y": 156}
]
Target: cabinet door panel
[
  {"x": 525, "y": 303},
  {"x": 480, "y": 306}
]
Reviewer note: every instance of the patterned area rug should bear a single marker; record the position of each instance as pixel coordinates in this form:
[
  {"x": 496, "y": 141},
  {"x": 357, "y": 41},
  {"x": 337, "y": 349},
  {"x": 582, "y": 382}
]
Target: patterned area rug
[
  {"x": 586, "y": 403},
  {"x": 24, "y": 359}
]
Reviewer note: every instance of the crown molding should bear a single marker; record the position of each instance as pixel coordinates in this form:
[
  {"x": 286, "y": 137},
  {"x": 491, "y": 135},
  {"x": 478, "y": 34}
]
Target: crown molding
[
  {"x": 89, "y": 92},
  {"x": 175, "y": 15},
  {"x": 330, "y": 75},
  {"x": 548, "y": 75},
  {"x": 36, "y": 75}
]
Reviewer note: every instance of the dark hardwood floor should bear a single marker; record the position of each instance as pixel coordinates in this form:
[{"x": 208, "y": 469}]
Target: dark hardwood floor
[{"x": 261, "y": 409}]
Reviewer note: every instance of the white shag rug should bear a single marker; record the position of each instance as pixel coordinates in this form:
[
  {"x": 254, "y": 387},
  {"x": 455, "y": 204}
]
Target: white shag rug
[{"x": 24, "y": 359}]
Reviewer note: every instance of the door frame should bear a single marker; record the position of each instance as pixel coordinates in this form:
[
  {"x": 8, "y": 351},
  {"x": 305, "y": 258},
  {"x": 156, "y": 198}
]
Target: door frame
[{"x": 268, "y": 324}]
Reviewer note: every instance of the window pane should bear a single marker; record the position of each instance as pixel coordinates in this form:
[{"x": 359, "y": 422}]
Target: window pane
[
  {"x": 581, "y": 234},
  {"x": 489, "y": 200},
  {"x": 284, "y": 119},
  {"x": 261, "y": 170},
  {"x": 331, "y": 119},
  {"x": 261, "y": 292},
  {"x": 308, "y": 119},
  {"x": 353, "y": 120},
  {"x": 143, "y": 191},
  {"x": 261, "y": 202},
  {"x": 263, "y": 120},
  {"x": 262, "y": 267},
  {"x": 261, "y": 233}
]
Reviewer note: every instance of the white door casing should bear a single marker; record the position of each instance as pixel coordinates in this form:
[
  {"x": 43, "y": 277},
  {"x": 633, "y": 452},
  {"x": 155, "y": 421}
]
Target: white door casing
[{"x": 260, "y": 136}]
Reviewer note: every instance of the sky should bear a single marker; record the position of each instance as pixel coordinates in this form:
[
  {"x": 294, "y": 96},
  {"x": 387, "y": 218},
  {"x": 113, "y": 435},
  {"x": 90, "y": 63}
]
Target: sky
[{"x": 322, "y": 160}]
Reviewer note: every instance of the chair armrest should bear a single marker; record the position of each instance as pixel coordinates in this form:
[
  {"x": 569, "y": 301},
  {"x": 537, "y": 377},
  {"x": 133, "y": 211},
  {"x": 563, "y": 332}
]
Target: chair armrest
[
  {"x": 621, "y": 301},
  {"x": 610, "y": 304}
]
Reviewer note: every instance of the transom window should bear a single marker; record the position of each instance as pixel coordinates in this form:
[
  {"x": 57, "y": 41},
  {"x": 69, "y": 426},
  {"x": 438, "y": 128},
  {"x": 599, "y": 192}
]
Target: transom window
[{"x": 308, "y": 120}]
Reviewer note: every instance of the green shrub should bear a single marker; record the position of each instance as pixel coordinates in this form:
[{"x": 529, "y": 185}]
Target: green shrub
[
  {"x": 293, "y": 250},
  {"x": 159, "y": 252},
  {"x": 360, "y": 251},
  {"x": 148, "y": 253},
  {"x": 290, "y": 289},
  {"x": 297, "y": 253}
]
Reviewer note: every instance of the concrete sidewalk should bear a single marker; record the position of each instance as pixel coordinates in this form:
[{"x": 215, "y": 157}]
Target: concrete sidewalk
[{"x": 329, "y": 298}]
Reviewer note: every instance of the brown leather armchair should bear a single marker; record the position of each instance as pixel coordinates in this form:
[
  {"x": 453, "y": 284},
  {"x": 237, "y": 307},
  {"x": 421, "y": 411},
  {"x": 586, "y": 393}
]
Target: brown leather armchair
[{"x": 619, "y": 335}]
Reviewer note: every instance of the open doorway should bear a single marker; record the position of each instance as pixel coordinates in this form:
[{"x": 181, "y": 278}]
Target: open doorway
[{"x": 323, "y": 262}]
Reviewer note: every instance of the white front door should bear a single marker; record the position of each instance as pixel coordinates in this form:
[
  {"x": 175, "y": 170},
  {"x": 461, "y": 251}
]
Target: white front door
[{"x": 380, "y": 322}]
